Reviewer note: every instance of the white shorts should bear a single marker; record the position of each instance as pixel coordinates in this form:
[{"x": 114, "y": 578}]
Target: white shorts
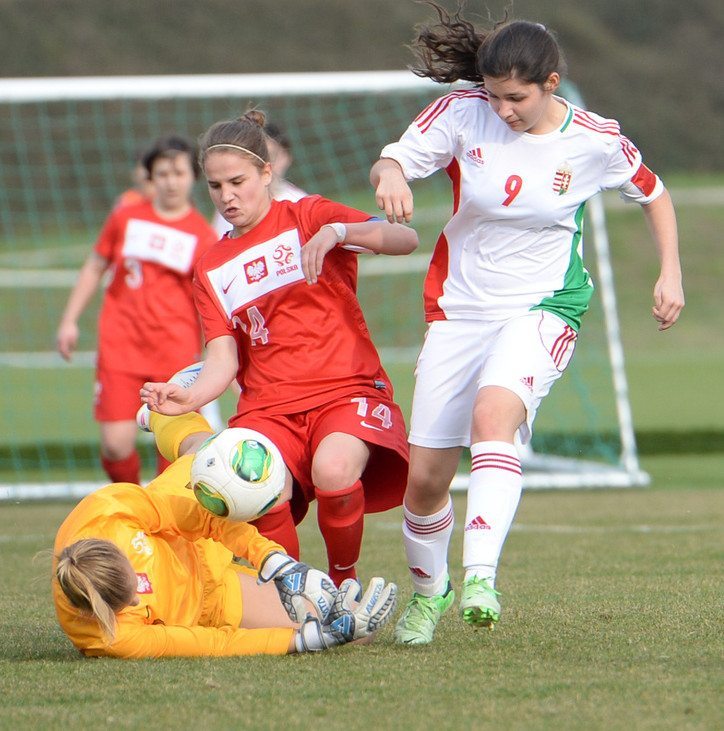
[{"x": 525, "y": 355}]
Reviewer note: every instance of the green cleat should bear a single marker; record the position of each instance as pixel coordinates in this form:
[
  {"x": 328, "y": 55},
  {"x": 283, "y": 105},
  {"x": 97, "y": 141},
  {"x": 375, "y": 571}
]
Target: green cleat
[
  {"x": 479, "y": 605},
  {"x": 417, "y": 624}
]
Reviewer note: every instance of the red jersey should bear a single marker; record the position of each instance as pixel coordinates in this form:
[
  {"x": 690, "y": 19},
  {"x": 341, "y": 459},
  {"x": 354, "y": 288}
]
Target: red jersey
[
  {"x": 299, "y": 346},
  {"x": 148, "y": 321}
]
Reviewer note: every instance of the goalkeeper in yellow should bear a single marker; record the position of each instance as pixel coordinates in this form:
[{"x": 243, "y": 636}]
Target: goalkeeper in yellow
[{"x": 147, "y": 572}]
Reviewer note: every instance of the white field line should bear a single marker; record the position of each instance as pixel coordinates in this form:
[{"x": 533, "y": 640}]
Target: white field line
[
  {"x": 48, "y": 256},
  {"x": 26, "y": 538},
  {"x": 87, "y": 358},
  {"x": 6, "y": 538},
  {"x": 584, "y": 529}
]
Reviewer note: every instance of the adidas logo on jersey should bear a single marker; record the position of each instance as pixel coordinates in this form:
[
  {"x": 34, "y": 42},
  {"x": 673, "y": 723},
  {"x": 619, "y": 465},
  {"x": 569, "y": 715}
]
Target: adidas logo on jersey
[
  {"x": 477, "y": 523},
  {"x": 476, "y": 155},
  {"x": 527, "y": 381}
]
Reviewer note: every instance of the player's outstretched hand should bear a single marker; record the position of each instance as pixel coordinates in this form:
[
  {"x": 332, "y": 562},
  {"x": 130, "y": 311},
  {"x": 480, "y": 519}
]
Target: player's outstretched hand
[
  {"x": 171, "y": 399},
  {"x": 355, "y": 617},
  {"x": 298, "y": 584}
]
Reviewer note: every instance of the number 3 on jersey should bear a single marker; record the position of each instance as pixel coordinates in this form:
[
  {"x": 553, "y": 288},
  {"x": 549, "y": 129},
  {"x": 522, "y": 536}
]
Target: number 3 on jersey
[
  {"x": 256, "y": 329},
  {"x": 381, "y": 412},
  {"x": 512, "y": 187}
]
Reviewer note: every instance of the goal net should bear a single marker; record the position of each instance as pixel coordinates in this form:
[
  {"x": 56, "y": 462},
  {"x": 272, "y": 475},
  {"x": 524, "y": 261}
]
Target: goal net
[{"x": 68, "y": 146}]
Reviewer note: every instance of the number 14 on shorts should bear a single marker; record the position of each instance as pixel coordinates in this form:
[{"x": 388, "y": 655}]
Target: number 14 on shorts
[{"x": 380, "y": 413}]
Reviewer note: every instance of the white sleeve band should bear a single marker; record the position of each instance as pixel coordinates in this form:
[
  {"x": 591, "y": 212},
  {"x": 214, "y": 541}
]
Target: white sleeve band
[{"x": 339, "y": 229}]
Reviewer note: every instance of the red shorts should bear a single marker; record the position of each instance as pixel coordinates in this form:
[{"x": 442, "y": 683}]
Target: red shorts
[
  {"x": 116, "y": 395},
  {"x": 370, "y": 416}
]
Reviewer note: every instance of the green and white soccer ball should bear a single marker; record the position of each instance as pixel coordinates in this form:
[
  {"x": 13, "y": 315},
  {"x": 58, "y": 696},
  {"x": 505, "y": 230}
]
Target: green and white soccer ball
[{"x": 238, "y": 474}]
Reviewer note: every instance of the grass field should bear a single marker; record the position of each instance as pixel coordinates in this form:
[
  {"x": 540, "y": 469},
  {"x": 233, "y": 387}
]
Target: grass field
[
  {"x": 612, "y": 599},
  {"x": 612, "y": 620}
]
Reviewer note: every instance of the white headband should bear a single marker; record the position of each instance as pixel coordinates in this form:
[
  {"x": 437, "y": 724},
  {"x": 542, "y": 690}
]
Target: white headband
[{"x": 236, "y": 147}]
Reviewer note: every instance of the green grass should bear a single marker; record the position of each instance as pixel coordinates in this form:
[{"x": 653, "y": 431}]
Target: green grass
[{"x": 611, "y": 620}]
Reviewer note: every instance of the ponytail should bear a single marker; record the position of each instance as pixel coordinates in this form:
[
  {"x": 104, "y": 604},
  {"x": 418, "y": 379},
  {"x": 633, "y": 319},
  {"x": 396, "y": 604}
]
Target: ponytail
[
  {"x": 455, "y": 50},
  {"x": 96, "y": 578},
  {"x": 447, "y": 51}
]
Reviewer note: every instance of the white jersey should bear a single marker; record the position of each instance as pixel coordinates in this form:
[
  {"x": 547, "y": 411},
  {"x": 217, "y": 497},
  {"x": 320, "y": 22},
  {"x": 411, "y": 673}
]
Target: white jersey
[{"x": 514, "y": 242}]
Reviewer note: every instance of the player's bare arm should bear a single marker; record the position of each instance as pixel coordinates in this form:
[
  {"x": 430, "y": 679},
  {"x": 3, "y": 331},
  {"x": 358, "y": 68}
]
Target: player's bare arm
[
  {"x": 89, "y": 278},
  {"x": 668, "y": 290},
  {"x": 392, "y": 193},
  {"x": 219, "y": 369},
  {"x": 377, "y": 237}
]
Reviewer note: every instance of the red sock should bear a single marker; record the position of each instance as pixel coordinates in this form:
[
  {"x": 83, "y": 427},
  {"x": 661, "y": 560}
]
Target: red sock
[
  {"x": 278, "y": 525},
  {"x": 340, "y": 516},
  {"x": 161, "y": 463},
  {"x": 123, "y": 470}
]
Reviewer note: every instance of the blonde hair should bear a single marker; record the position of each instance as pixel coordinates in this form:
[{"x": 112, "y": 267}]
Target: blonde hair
[
  {"x": 96, "y": 578},
  {"x": 246, "y": 134}
]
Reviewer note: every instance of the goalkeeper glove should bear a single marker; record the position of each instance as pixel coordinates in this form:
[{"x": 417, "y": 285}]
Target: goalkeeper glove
[
  {"x": 350, "y": 618},
  {"x": 297, "y": 582},
  {"x": 360, "y": 617}
]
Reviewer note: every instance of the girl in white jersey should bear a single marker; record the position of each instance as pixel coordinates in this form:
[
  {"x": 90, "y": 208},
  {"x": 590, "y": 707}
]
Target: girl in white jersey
[{"x": 506, "y": 287}]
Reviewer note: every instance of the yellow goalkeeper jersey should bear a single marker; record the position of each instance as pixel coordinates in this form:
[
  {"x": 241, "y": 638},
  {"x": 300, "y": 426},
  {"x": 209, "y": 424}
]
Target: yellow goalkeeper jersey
[{"x": 188, "y": 591}]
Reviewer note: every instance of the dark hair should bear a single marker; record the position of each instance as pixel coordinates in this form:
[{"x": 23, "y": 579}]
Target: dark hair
[
  {"x": 169, "y": 147},
  {"x": 275, "y": 132},
  {"x": 245, "y": 132},
  {"x": 454, "y": 49}
]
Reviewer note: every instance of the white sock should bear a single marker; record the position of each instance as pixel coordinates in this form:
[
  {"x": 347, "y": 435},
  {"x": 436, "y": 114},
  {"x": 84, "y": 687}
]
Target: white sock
[
  {"x": 426, "y": 539},
  {"x": 496, "y": 482}
]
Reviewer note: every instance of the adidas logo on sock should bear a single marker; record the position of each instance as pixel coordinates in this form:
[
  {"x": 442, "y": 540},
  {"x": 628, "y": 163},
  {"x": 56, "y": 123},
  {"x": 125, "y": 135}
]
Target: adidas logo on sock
[
  {"x": 420, "y": 573},
  {"x": 477, "y": 523}
]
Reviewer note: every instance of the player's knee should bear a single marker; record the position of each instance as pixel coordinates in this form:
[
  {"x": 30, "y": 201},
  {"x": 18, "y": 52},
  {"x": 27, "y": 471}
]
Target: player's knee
[
  {"x": 117, "y": 452},
  {"x": 426, "y": 486},
  {"x": 494, "y": 423},
  {"x": 334, "y": 473}
]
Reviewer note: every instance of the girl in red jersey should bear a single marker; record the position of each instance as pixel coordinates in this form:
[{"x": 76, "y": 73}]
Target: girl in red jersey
[
  {"x": 277, "y": 298},
  {"x": 148, "y": 325}
]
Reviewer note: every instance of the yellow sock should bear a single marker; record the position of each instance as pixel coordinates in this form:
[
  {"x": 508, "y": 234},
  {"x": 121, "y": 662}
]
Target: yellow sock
[{"x": 170, "y": 431}]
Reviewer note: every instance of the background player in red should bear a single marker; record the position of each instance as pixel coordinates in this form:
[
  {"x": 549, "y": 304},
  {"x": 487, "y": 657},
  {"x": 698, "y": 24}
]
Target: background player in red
[
  {"x": 277, "y": 297},
  {"x": 142, "y": 188},
  {"x": 148, "y": 326}
]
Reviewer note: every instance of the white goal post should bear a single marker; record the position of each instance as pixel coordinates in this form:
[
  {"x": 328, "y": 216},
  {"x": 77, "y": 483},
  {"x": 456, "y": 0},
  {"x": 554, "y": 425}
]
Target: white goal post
[{"x": 94, "y": 101}]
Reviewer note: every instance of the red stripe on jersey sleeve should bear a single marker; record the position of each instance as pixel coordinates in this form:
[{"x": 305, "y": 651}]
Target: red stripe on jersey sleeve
[
  {"x": 610, "y": 126},
  {"x": 428, "y": 115},
  {"x": 644, "y": 180}
]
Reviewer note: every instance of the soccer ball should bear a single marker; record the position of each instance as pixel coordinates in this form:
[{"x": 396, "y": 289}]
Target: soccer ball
[{"x": 238, "y": 474}]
